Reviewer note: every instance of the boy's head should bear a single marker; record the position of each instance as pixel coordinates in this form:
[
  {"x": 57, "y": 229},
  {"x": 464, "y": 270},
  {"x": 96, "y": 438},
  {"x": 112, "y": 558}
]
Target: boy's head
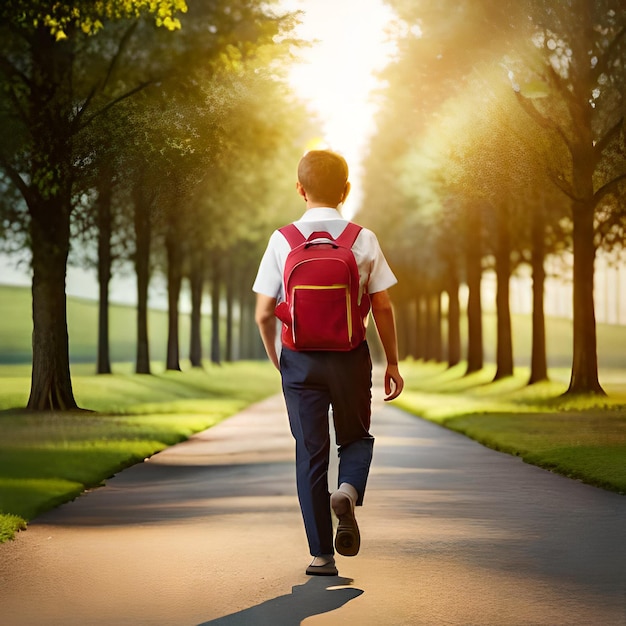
[{"x": 323, "y": 176}]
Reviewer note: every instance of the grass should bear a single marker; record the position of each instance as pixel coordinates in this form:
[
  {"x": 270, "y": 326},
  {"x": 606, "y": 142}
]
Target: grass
[
  {"x": 582, "y": 437},
  {"x": 49, "y": 458}
]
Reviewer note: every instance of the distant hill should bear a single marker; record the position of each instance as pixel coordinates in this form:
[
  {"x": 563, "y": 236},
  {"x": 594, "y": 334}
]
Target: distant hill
[{"x": 16, "y": 329}]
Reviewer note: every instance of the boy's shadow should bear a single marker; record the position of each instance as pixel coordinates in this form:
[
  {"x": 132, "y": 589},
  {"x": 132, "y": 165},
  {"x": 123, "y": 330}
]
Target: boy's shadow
[{"x": 317, "y": 595}]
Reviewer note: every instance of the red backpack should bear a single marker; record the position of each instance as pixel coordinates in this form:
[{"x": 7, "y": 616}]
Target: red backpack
[{"x": 322, "y": 309}]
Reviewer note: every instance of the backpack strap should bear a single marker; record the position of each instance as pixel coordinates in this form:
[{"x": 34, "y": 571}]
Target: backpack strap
[
  {"x": 347, "y": 238},
  {"x": 349, "y": 235},
  {"x": 293, "y": 236}
]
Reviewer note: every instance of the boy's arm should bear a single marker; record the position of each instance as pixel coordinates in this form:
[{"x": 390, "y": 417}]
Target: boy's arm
[
  {"x": 386, "y": 326},
  {"x": 266, "y": 321}
]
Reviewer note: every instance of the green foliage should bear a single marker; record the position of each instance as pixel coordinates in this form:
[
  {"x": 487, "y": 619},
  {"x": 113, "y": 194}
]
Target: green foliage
[
  {"x": 10, "y": 525},
  {"x": 500, "y": 136},
  {"x": 164, "y": 117},
  {"x": 61, "y": 18}
]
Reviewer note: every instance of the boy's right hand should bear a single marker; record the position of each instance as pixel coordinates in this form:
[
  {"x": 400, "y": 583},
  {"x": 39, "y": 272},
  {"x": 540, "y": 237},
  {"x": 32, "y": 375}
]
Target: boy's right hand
[{"x": 394, "y": 383}]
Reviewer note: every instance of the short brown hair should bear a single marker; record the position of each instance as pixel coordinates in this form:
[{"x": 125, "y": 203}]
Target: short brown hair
[{"x": 324, "y": 175}]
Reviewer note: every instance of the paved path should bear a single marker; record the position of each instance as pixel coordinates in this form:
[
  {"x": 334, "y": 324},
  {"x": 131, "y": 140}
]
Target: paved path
[{"x": 209, "y": 532}]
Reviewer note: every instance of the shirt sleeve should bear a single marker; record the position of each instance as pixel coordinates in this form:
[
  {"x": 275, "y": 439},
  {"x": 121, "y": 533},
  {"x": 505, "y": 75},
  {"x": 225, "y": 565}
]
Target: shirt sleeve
[
  {"x": 379, "y": 275},
  {"x": 269, "y": 278}
]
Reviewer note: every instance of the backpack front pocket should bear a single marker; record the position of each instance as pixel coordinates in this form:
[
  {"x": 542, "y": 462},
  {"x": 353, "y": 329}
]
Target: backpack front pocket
[{"x": 324, "y": 319}]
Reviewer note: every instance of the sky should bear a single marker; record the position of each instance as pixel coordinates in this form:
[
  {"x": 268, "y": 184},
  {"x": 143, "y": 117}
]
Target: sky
[{"x": 337, "y": 74}]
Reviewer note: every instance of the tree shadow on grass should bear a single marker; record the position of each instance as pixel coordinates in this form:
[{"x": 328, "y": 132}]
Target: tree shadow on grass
[{"x": 318, "y": 595}]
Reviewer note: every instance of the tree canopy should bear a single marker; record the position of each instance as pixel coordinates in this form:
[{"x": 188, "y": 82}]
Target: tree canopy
[
  {"x": 61, "y": 19},
  {"x": 501, "y": 132},
  {"x": 97, "y": 94}
]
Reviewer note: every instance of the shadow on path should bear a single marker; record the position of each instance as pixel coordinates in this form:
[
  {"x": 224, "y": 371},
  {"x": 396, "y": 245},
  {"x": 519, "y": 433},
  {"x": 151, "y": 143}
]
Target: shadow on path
[{"x": 318, "y": 595}]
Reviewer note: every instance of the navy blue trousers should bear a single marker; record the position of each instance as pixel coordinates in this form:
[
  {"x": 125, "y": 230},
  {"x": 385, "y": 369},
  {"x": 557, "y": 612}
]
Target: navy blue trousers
[{"x": 313, "y": 382}]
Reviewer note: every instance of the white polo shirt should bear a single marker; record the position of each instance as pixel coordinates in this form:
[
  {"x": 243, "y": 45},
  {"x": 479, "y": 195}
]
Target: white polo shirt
[{"x": 374, "y": 271}]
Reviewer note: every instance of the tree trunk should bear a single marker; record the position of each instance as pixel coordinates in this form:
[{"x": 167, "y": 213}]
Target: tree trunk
[
  {"x": 584, "y": 377},
  {"x": 105, "y": 229},
  {"x": 196, "y": 281},
  {"x": 49, "y": 203},
  {"x": 454, "y": 318},
  {"x": 142, "y": 270},
  {"x": 51, "y": 385},
  {"x": 504, "y": 347},
  {"x": 410, "y": 305},
  {"x": 432, "y": 324},
  {"x": 245, "y": 341},
  {"x": 474, "y": 301},
  {"x": 438, "y": 341},
  {"x": 538, "y": 360},
  {"x": 249, "y": 338},
  {"x": 216, "y": 285},
  {"x": 174, "y": 282},
  {"x": 420, "y": 325},
  {"x": 230, "y": 297},
  {"x": 402, "y": 328}
]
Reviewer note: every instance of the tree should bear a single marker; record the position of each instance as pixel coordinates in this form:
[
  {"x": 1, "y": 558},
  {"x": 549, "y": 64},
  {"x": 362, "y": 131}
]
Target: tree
[
  {"x": 46, "y": 111},
  {"x": 208, "y": 121},
  {"x": 429, "y": 71},
  {"x": 100, "y": 216},
  {"x": 104, "y": 226},
  {"x": 578, "y": 64}
]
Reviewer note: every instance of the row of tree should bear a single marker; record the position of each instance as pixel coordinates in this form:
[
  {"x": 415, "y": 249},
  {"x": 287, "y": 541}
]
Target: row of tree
[
  {"x": 500, "y": 141},
  {"x": 160, "y": 134},
  {"x": 164, "y": 135}
]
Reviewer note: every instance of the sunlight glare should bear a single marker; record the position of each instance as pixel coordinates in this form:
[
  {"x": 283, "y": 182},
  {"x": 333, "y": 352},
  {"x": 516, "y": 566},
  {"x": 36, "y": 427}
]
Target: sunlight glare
[{"x": 336, "y": 75}]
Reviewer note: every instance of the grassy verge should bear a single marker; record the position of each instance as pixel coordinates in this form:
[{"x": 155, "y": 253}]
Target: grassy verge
[
  {"x": 50, "y": 458},
  {"x": 580, "y": 437}
]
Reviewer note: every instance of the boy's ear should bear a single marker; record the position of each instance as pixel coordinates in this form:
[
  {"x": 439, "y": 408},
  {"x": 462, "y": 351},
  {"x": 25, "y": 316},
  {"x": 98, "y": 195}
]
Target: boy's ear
[
  {"x": 301, "y": 189},
  {"x": 346, "y": 191}
]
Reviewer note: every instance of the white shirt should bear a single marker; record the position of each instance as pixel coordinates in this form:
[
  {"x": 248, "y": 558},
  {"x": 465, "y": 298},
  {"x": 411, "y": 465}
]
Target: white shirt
[{"x": 374, "y": 271}]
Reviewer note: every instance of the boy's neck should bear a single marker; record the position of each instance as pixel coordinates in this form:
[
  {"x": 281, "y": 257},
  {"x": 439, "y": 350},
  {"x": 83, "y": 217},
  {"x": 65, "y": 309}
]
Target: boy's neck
[{"x": 320, "y": 205}]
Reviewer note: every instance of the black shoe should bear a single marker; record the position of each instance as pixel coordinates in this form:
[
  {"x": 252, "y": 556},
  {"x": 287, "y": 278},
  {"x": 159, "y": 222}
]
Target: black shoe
[
  {"x": 326, "y": 569},
  {"x": 347, "y": 539}
]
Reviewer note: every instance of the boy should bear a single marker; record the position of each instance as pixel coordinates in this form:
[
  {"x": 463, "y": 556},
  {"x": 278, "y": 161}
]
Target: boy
[{"x": 315, "y": 380}]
